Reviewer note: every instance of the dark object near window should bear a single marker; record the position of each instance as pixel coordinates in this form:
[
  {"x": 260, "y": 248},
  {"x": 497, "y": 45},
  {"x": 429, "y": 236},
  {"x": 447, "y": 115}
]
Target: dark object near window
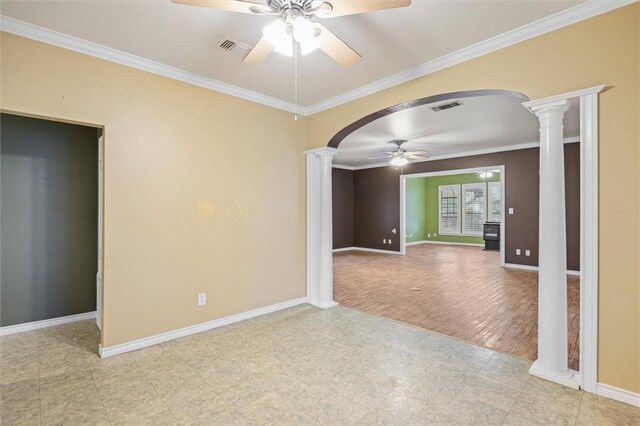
[{"x": 491, "y": 235}]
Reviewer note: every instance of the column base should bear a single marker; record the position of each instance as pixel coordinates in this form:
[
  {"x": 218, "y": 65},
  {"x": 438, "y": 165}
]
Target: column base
[
  {"x": 325, "y": 305},
  {"x": 570, "y": 378}
]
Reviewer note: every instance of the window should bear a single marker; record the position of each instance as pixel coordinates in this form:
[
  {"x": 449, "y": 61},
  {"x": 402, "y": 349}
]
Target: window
[
  {"x": 495, "y": 201},
  {"x": 473, "y": 216},
  {"x": 449, "y": 217}
]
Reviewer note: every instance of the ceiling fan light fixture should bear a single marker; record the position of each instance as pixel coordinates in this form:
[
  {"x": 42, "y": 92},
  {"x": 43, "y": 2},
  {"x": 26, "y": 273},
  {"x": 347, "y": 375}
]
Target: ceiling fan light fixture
[
  {"x": 304, "y": 32},
  {"x": 277, "y": 34},
  {"x": 399, "y": 161}
]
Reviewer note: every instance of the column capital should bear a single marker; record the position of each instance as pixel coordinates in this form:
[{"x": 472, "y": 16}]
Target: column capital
[
  {"x": 558, "y": 107},
  {"x": 325, "y": 151}
]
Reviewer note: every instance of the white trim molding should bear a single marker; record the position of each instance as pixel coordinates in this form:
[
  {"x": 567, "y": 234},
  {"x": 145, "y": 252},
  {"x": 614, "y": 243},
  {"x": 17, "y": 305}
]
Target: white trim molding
[
  {"x": 553, "y": 22},
  {"x": 589, "y": 239},
  {"x": 36, "y": 325},
  {"x": 55, "y": 38},
  {"x": 365, "y": 249},
  {"x": 194, "y": 329},
  {"x": 575, "y": 14},
  {"x": 444, "y": 243},
  {"x": 618, "y": 394},
  {"x": 535, "y": 268}
]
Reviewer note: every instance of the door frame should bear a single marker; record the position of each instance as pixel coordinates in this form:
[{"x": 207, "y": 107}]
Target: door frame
[
  {"x": 403, "y": 201},
  {"x": 99, "y": 280},
  {"x": 99, "y": 291}
]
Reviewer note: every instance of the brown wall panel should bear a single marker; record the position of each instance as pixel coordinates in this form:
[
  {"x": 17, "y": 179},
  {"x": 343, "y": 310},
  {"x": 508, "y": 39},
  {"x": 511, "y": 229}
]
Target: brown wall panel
[
  {"x": 342, "y": 208},
  {"x": 376, "y": 208},
  {"x": 377, "y": 193}
]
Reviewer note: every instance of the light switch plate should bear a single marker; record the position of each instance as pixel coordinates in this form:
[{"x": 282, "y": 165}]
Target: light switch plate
[
  {"x": 517, "y": 252},
  {"x": 510, "y": 210}
]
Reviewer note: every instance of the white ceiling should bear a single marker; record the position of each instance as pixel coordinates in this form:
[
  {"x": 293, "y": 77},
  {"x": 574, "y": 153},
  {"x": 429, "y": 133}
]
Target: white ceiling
[
  {"x": 185, "y": 37},
  {"x": 481, "y": 123}
]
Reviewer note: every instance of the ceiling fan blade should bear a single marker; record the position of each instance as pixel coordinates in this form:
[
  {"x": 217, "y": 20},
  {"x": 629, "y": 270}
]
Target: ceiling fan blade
[
  {"x": 378, "y": 158},
  {"x": 351, "y": 7},
  {"x": 242, "y": 6},
  {"x": 259, "y": 52},
  {"x": 337, "y": 49},
  {"x": 416, "y": 152},
  {"x": 417, "y": 157}
]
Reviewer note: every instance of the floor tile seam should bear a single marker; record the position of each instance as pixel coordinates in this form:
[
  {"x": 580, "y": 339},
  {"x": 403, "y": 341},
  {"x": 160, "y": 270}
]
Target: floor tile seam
[
  {"x": 155, "y": 390},
  {"x": 516, "y": 400},
  {"x": 575, "y": 421},
  {"x": 369, "y": 412},
  {"x": 104, "y": 407}
]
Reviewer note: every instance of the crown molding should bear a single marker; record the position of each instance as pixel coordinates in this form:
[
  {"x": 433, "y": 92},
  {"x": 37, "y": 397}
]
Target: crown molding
[
  {"x": 55, "y": 38},
  {"x": 559, "y": 20},
  {"x": 553, "y": 22},
  {"x": 516, "y": 147}
]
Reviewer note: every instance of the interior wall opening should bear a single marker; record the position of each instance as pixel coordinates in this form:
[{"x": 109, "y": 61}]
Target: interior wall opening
[
  {"x": 51, "y": 226},
  {"x": 392, "y": 258}
]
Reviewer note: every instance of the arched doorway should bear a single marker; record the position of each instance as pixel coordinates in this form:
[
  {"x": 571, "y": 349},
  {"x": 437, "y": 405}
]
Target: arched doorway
[{"x": 319, "y": 239}]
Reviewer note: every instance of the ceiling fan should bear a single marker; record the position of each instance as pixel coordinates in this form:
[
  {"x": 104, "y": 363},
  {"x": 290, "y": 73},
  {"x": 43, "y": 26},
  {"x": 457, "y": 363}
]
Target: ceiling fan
[
  {"x": 294, "y": 24},
  {"x": 400, "y": 156}
]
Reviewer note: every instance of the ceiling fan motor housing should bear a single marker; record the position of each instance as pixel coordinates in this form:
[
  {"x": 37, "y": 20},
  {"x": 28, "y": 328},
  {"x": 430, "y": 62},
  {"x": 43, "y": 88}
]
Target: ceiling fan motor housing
[{"x": 299, "y": 6}]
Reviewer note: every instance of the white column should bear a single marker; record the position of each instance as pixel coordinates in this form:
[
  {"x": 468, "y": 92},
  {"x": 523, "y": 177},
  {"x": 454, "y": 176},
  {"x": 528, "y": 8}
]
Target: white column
[
  {"x": 320, "y": 228},
  {"x": 326, "y": 231},
  {"x": 552, "y": 362}
]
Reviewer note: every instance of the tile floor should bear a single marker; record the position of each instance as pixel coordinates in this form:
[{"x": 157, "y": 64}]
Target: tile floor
[{"x": 298, "y": 366}]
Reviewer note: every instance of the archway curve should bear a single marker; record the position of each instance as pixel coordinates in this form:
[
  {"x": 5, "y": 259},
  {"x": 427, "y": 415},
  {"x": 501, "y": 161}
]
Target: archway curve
[{"x": 335, "y": 141}]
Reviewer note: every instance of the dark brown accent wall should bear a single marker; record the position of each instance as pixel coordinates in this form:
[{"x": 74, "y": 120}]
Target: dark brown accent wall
[
  {"x": 377, "y": 193},
  {"x": 342, "y": 193}
]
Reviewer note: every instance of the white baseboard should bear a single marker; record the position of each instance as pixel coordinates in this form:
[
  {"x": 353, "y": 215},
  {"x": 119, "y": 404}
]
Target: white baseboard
[
  {"x": 535, "y": 268},
  {"x": 193, "y": 329},
  {"x": 366, "y": 249},
  {"x": 447, "y": 243},
  {"x": 618, "y": 394},
  {"x": 338, "y": 250},
  {"x": 36, "y": 325}
]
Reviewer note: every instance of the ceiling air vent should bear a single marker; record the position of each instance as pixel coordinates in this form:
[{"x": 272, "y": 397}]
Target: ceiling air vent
[
  {"x": 230, "y": 45},
  {"x": 446, "y": 106}
]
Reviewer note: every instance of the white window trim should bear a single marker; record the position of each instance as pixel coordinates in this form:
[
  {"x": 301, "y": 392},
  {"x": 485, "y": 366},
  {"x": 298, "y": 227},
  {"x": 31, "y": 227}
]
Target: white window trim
[
  {"x": 489, "y": 214},
  {"x": 440, "y": 230},
  {"x": 463, "y": 188}
]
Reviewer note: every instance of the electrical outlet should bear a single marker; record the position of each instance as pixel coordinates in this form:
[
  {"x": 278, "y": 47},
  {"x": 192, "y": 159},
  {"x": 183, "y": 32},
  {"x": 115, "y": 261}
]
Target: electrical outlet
[
  {"x": 510, "y": 210},
  {"x": 384, "y": 241},
  {"x": 202, "y": 299},
  {"x": 428, "y": 235},
  {"x": 517, "y": 252},
  {"x": 389, "y": 240},
  {"x": 527, "y": 252}
]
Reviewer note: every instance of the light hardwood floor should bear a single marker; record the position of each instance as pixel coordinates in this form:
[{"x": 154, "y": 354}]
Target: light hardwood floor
[{"x": 464, "y": 293}]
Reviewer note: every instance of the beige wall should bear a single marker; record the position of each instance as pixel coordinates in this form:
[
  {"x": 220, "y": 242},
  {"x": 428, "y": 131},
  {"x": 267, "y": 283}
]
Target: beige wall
[
  {"x": 201, "y": 188},
  {"x": 203, "y": 192},
  {"x": 602, "y": 50}
]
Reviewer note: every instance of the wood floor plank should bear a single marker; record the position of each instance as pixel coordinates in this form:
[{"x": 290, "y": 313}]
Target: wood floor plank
[{"x": 464, "y": 293}]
